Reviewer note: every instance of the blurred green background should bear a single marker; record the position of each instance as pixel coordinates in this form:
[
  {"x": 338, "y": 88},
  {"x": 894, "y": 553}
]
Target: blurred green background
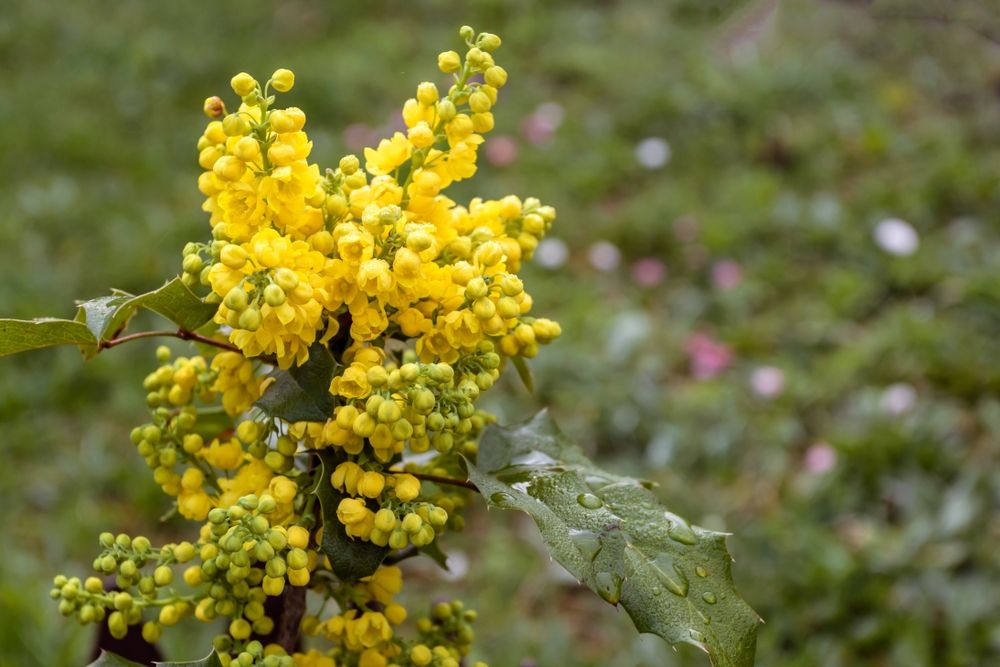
[{"x": 776, "y": 266}]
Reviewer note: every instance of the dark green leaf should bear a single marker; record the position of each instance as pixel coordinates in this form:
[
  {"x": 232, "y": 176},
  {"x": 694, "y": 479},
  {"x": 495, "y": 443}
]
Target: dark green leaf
[
  {"x": 212, "y": 422},
  {"x": 350, "y": 558},
  {"x": 524, "y": 372},
  {"x": 302, "y": 393},
  {"x": 211, "y": 661},
  {"x": 612, "y": 534},
  {"x": 107, "y": 659},
  {"x": 434, "y": 551},
  {"x": 178, "y": 304},
  {"x": 22, "y": 335}
]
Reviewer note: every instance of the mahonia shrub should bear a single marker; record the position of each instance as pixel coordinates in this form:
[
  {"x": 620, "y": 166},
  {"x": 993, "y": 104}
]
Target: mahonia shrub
[{"x": 329, "y": 428}]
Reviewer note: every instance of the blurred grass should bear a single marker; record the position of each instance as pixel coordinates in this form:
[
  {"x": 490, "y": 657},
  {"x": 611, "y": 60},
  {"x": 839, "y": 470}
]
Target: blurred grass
[{"x": 794, "y": 128}]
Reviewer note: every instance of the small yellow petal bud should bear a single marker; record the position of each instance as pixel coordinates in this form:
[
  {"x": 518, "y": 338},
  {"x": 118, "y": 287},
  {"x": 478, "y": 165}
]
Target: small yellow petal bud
[
  {"x": 449, "y": 61},
  {"x": 496, "y": 76},
  {"x": 427, "y": 93},
  {"x": 214, "y": 107},
  {"x": 282, "y": 80},
  {"x": 243, "y": 84}
]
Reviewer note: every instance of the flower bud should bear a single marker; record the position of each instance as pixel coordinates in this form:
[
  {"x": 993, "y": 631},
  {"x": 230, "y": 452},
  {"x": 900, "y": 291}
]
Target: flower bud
[
  {"x": 476, "y": 288},
  {"x": 267, "y": 504},
  {"x": 489, "y": 42},
  {"x": 449, "y": 62},
  {"x": 371, "y": 484},
  {"x": 214, "y": 107},
  {"x": 479, "y": 102},
  {"x": 250, "y": 319},
  {"x": 427, "y": 93},
  {"x": 243, "y": 84},
  {"x": 489, "y": 254},
  {"x": 421, "y": 135},
  {"x": 247, "y": 149},
  {"x": 282, "y": 80},
  {"x": 446, "y": 110},
  {"x": 484, "y": 308},
  {"x": 475, "y": 57}
]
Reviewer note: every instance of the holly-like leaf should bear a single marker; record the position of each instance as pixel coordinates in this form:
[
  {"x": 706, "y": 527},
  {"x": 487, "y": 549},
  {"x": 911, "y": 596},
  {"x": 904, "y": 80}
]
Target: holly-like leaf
[
  {"x": 350, "y": 558},
  {"x": 612, "y": 534},
  {"x": 108, "y": 659},
  {"x": 106, "y": 315},
  {"x": 212, "y": 660},
  {"x": 302, "y": 393},
  {"x": 22, "y": 335}
]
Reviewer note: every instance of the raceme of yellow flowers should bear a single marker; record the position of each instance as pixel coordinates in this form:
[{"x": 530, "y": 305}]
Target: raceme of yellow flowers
[{"x": 428, "y": 296}]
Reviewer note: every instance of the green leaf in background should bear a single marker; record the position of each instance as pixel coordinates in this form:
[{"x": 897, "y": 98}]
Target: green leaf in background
[
  {"x": 22, "y": 335},
  {"x": 524, "y": 372},
  {"x": 211, "y": 661},
  {"x": 302, "y": 393},
  {"x": 351, "y": 559},
  {"x": 433, "y": 550},
  {"x": 611, "y": 533},
  {"x": 212, "y": 422},
  {"x": 107, "y": 659},
  {"x": 106, "y": 315}
]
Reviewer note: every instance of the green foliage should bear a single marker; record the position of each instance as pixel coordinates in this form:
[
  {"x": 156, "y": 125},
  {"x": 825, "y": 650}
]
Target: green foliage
[
  {"x": 351, "y": 559},
  {"x": 107, "y": 316},
  {"x": 108, "y": 659},
  {"x": 610, "y": 533},
  {"x": 302, "y": 393},
  {"x": 21, "y": 335}
]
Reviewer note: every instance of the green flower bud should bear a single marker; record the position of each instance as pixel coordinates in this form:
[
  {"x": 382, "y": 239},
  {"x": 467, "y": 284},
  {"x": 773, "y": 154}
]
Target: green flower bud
[
  {"x": 287, "y": 446},
  {"x": 476, "y": 288},
  {"x": 274, "y": 460},
  {"x": 275, "y": 567},
  {"x": 152, "y": 434},
  {"x": 401, "y": 430},
  {"x": 86, "y": 614},
  {"x": 398, "y": 539},
  {"x": 274, "y": 296},
  {"x": 349, "y": 164},
  {"x": 192, "y": 264},
  {"x": 267, "y": 504},
  {"x": 147, "y": 586},
  {"x": 250, "y": 319},
  {"x": 128, "y": 569},
  {"x": 108, "y": 564},
  {"x": 297, "y": 559},
  {"x": 372, "y": 405},
  {"x": 264, "y": 552},
  {"x": 259, "y": 525},
  {"x": 123, "y": 601},
  {"x": 389, "y": 412},
  {"x": 240, "y": 558},
  {"x": 163, "y": 576},
  {"x": 217, "y": 515},
  {"x": 152, "y": 631},
  {"x": 249, "y": 502},
  {"x": 442, "y": 441},
  {"x": 223, "y": 643},
  {"x": 435, "y": 421},
  {"x": 117, "y": 625},
  {"x": 258, "y": 450},
  {"x": 277, "y": 540},
  {"x": 286, "y": 279},
  {"x": 236, "y": 300}
]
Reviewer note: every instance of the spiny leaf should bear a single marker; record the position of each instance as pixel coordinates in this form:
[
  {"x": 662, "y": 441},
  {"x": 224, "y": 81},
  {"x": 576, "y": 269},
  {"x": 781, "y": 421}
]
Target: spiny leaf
[
  {"x": 434, "y": 551},
  {"x": 302, "y": 393},
  {"x": 611, "y": 533},
  {"x": 350, "y": 558},
  {"x": 22, "y": 335},
  {"x": 108, "y": 659},
  {"x": 212, "y": 660},
  {"x": 106, "y": 315}
]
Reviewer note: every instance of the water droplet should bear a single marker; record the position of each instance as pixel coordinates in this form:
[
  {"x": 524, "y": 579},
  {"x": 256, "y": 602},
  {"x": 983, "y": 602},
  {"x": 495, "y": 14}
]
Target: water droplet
[
  {"x": 589, "y": 500},
  {"x": 609, "y": 586},
  {"x": 702, "y": 572},
  {"x": 657, "y": 591},
  {"x": 670, "y": 575},
  {"x": 587, "y": 542},
  {"x": 501, "y": 498},
  {"x": 708, "y": 597},
  {"x": 647, "y": 506},
  {"x": 679, "y": 530},
  {"x": 706, "y": 618},
  {"x": 697, "y": 636}
]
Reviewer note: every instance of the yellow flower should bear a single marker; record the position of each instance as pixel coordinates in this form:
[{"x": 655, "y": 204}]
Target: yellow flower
[
  {"x": 242, "y": 209},
  {"x": 224, "y": 456},
  {"x": 252, "y": 478},
  {"x": 371, "y": 484},
  {"x": 194, "y": 505},
  {"x": 412, "y": 322},
  {"x": 369, "y": 631},
  {"x": 237, "y": 382},
  {"x": 414, "y": 112},
  {"x": 375, "y": 278},
  {"x": 355, "y": 247},
  {"x": 407, "y": 487},
  {"x": 384, "y": 583},
  {"x": 353, "y": 383},
  {"x": 313, "y": 659},
  {"x": 351, "y": 511},
  {"x": 390, "y": 154}
]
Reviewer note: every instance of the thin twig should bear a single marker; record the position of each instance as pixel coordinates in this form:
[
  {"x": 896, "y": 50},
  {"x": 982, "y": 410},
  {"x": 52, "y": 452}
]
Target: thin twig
[
  {"x": 184, "y": 335},
  {"x": 440, "y": 480}
]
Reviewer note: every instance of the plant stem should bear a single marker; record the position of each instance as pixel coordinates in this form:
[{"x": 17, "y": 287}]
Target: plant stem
[
  {"x": 440, "y": 480},
  {"x": 183, "y": 335}
]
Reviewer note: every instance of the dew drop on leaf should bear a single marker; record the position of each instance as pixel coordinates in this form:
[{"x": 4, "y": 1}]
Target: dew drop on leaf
[
  {"x": 670, "y": 575},
  {"x": 501, "y": 498},
  {"x": 609, "y": 586},
  {"x": 700, "y": 571},
  {"x": 708, "y": 597},
  {"x": 587, "y": 542},
  {"x": 589, "y": 500}
]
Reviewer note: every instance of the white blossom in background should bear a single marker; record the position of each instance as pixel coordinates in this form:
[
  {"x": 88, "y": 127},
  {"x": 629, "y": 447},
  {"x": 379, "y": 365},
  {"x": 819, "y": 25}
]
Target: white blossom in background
[
  {"x": 653, "y": 153},
  {"x": 551, "y": 253},
  {"x": 767, "y": 381},
  {"x": 458, "y": 566},
  {"x": 820, "y": 458},
  {"x": 604, "y": 256},
  {"x": 897, "y": 237},
  {"x": 898, "y": 399}
]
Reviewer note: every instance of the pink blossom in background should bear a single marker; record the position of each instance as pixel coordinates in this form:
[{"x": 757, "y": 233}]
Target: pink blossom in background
[
  {"x": 727, "y": 275},
  {"x": 820, "y": 458},
  {"x": 604, "y": 256},
  {"x": 708, "y": 357},
  {"x": 357, "y": 137},
  {"x": 540, "y": 127},
  {"x": 648, "y": 272},
  {"x": 767, "y": 381},
  {"x": 501, "y": 151}
]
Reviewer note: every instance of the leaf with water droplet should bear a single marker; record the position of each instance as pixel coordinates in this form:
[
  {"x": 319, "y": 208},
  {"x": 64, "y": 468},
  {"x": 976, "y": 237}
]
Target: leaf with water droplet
[{"x": 612, "y": 534}]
